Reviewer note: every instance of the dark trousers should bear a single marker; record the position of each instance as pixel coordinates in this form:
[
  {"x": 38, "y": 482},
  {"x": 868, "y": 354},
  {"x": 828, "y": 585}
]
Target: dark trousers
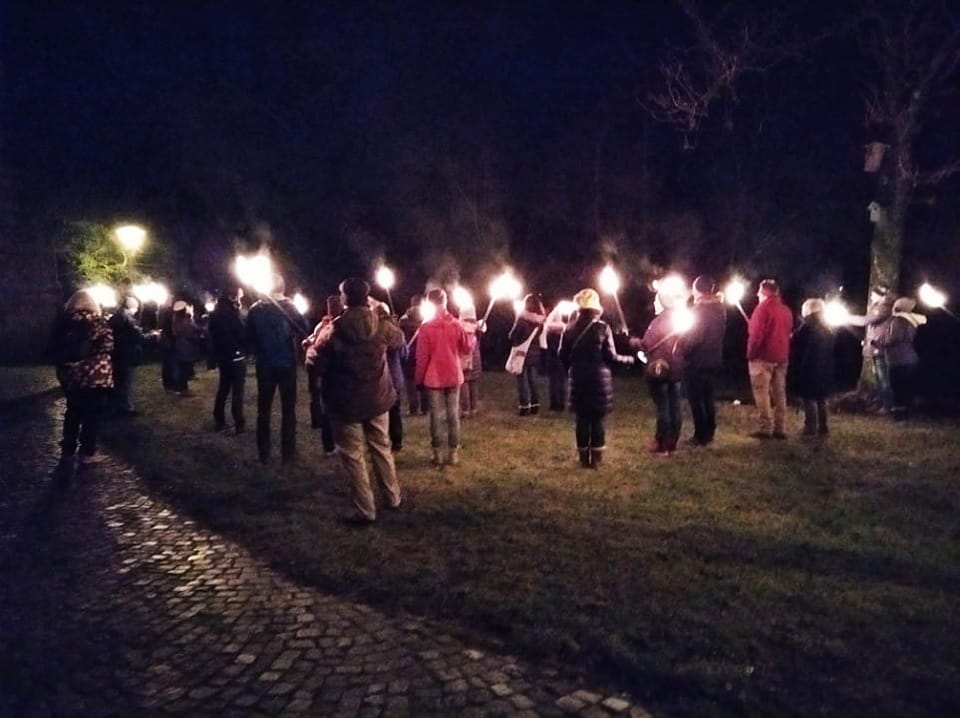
[
  {"x": 168, "y": 369},
  {"x": 469, "y": 396},
  {"x": 902, "y": 382},
  {"x": 528, "y": 394},
  {"x": 702, "y": 405},
  {"x": 666, "y": 397},
  {"x": 182, "y": 374},
  {"x": 233, "y": 375},
  {"x": 557, "y": 383},
  {"x": 81, "y": 423},
  {"x": 814, "y": 416},
  {"x": 269, "y": 380},
  {"x": 417, "y": 402},
  {"x": 395, "y": 428},
  {"x": 590, "y": 431},
  {"x": 123, "y": 386},
  {"x": 320, "y": 419}
]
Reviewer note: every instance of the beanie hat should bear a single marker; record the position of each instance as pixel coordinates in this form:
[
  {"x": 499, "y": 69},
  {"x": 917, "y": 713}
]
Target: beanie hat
[
  {"x": 355, "y": 291},
  {"x": 588, "y": 299},
  {"x": 811, "y": 306},
  {"x": 905, "y": 305},
  {"x": 704, "y": 284},
  {"x": 179, "y": 306},
  {"x": 438, "y": 296},
  {"x": 769, "y": 288}
]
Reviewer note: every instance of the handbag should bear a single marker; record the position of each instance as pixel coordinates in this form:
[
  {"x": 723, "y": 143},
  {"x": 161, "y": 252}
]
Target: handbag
[{"x": 518, "y": 355}]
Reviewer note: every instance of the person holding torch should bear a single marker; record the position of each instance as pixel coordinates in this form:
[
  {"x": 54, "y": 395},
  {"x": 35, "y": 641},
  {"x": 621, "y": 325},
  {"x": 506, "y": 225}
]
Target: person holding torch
[
  {"x": 768, "y": 355},
  {"x": 704, "y": 357},
  {"x": 526, "y": 330}
]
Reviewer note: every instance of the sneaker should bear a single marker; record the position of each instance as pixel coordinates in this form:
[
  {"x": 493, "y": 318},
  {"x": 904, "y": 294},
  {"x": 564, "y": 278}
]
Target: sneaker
[
  {"x": 524, "y": 411},
  {"x": 534, "y": 409}
]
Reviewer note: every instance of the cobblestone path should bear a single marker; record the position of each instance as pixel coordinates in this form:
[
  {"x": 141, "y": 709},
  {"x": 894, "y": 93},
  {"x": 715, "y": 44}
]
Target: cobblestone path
[{"x": 112, "y": 604}]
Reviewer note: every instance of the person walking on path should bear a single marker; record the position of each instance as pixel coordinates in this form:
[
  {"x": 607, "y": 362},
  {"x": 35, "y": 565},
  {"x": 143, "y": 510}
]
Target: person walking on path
[
  {"x": 703, "y": 348},
  {"x": 900, "y": 355},
  {"x": 527, "y": 329},
  {"x": 441, "y": 343},
  {"x": 768, "y": 354},
  {"x": 128, "y": 341},
  {"x": 273, "y": 326},
  {"x": 810, "y": 374},
  {"x": 358, "y": 393},
  {"x": 587, "y": 349},
  {"x": 83, "y": 344},
  {"x": 228, "y": 339},
  {"x": 662, "y": 344}
]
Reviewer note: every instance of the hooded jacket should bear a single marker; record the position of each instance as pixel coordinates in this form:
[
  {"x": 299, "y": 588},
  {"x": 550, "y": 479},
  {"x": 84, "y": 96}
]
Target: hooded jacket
[
  {"x": 271, "y": 334},
  {"x": 897, "y": 343},
  {"x": 769, "y": 330},
  {"x": 352, "y": 366},
  {"x": 703, "y": 344},
  {"x": 661, "y": 343},
  {"x": 588, "y": 350},
  {"x": 440, "y": 344},
  {"x": 810, "y": 374},
  {"x": 228, "y": 336},
  {"x": 94, "y": 370}
]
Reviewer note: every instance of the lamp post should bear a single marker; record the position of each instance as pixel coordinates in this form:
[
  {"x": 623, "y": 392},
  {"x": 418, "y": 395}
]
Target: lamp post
[{"x": 131, "y": 238}]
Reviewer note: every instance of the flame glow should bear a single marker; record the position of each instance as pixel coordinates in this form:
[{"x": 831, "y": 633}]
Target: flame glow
[
  {"x": 385, "y": 278},
  {"x": 682, "y": 320},
  {"x": 566, "y": 308},
  {"x": 428, "y": 310},
  {"x": 734, "y": 291},
  {"x": 301, "y": 303},
  {"x": 103, "y": 295},
  {"x": 836, "y": 313},
  {"x": 151, "y": 292},
  {"x": 462, "y": 297},
  {"x": 609, "y": 280},
  {"x": 256, "y": 272},
  {"x": 931, "y": 296},
  {"x": 506, "y": 286},
  {"x": 131, "y": 237}
]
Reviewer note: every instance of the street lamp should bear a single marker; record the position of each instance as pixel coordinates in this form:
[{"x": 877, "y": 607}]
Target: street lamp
[{"x": 131, "y": 238}]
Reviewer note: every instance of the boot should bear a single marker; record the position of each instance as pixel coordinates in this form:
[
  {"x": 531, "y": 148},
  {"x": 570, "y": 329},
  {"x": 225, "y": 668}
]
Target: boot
[
  {"x": 524, "y": 411},
  {"x": 534, "y": 409},
  {"x": 437, "y": 458},
  {"x": 596, "y": 458},
  {"x": 584, "y": 457},
  {"x": 453, "y": 457}
]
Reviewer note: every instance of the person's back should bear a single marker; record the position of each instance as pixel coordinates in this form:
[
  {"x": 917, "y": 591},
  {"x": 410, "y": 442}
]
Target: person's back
[
  {"x": 769, "y": 331},
  {"x": 440, "y": 344},
  {"x": 271, "y": 333},
  {"x": 227, "y": 333}
]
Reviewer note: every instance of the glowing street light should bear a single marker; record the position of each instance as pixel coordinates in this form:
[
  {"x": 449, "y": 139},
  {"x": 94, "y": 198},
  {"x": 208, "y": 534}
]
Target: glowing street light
[
  {"x": 103, "y": 295},
  {"x": 256, "y": 272},
  {"x": 505, "y": 286},
  {"x": 386, "y": 280},
  {"x": 610, "y": 284},
  {"x": 131, "y": 237},
  {"x": 733, "y": 294},
  {"x": 301, "y": 303}
]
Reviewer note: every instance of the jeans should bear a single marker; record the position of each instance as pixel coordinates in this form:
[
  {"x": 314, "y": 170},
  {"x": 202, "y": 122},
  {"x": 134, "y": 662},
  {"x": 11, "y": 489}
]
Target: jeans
[
  {"x": 233, "y": 375},
  {"x": 666, "y": 397},
  {"x": 416, "y": 399},
  {"x": 902, "y": 382},
  {"x": 527, "y": 388},
  {"x": 396, "y": 426},
  {"x": 469, "y": 396},
  {"x": 881, "y": 372},
  {"x": 85, "y": 408},
  {"x": 702, "y": 407},
  {"x": 590, "y": 432},
  {"x": 768, "y": 380},
  {"x": 269, "y": 380},
  {"x": 446, "y": 400},
  {"x": 354, "y": 440},
  {"x": 815, "y": 416}
]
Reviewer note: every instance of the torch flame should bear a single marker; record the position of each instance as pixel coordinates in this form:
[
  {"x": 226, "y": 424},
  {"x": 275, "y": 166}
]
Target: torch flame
[
  {"x": 462, "y": 297},
  {"x": 836, "y": 313},
  {"x": 151, "y": 292},
  {"x": 385, "y": 278},
  {"x": 256, "y": 272},
  {"x": 506, "y": 286},
  {"x": 103, "y": 295},
  {"x": 428, "y": 310},
  {"x": 734, "y": 291},
  {"x": 682, "y": 320},
  {"x": 609, "y": 280},
  {"x": 301, "y": 303},
  {"x": 565, "y": 308},
  {"x": 931, "y": 296}
]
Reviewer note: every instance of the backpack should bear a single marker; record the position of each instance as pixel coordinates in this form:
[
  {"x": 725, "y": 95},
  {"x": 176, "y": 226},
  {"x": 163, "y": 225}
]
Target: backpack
[{"x": 74, "y": 344}]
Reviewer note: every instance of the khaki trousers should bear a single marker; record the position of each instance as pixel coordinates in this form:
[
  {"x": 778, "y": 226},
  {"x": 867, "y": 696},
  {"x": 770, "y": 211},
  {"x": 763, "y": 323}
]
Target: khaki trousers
[
  {"x": 353, "y": 441},
  {"x": 769, "y": 383}
]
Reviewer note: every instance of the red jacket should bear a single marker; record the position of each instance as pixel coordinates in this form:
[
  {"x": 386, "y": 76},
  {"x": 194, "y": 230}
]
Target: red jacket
[
  {"x": 769, "y": 332},
  {"x": 440, "y": 344}
]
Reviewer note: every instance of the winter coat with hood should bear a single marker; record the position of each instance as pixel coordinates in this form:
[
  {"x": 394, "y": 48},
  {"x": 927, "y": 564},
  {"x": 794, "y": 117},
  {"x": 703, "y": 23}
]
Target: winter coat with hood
[
  {"x": 660, "y": 342},
  {"x": 588, "y": 351},
  {"x": 810, "y": 374},
  {"x": 897, "y": 343},
  {"x": 94, "y": 370},
  {"x": 188, "y": 338},
  {"x": 440, "y": 344},
  {"x": 272, "y": 328},
  {"x": 769, "y": 330},
  {"x": 355, "y": 380},
  {"x": 877, "y": 322}
]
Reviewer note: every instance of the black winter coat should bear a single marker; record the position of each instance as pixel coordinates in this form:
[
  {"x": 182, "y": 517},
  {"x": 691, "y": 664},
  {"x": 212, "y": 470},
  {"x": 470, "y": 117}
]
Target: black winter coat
[
  {"x": 526, "y": 325},
  {"x": 810, "y": 373},
  {"x": 661, "y": 343},
  {"x": 703, "y": 344},
  {"x": 587, "y": 349},
  {"x": 228, "y": 336}
]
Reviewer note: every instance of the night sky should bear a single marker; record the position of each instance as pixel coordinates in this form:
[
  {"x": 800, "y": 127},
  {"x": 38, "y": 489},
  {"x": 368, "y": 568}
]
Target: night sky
[{"x": 445, "y": 138}]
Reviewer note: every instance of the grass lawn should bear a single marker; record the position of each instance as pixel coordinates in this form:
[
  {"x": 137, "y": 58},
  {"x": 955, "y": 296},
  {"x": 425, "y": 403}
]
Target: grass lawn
[{"x": 754, "y": 578}]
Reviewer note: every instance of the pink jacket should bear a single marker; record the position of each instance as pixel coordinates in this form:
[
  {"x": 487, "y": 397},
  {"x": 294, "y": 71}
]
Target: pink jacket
[
  {"x": 769, "y": 330},
  {"x": 440, "y": 344}
]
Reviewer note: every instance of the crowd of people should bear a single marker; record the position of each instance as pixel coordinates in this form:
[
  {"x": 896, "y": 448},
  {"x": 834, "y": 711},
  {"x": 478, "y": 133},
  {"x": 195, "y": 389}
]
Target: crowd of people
[{"x": 361, "y": 361}]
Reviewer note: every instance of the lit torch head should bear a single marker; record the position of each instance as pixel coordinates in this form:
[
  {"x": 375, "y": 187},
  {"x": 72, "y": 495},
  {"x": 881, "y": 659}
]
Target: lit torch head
[
  {"x": 835, "y": 313},
  {"x": 931, "y": 296},
  {"x": 566, "y": 308},
  {"x": 462, "y": 297},
  {"x": 609, "y": 280},
  {"x": 428, "y": 310},
  {"x": 506, "y": 286},
  {"x": 103, "y": 295},
  {"x": 734, "y": 291},
  {"x": 256, "y": 272},
  {"x": 682, "y": 320},
  {"x": 385, "y": 278},
  {"x": 301, "y": 303}
]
